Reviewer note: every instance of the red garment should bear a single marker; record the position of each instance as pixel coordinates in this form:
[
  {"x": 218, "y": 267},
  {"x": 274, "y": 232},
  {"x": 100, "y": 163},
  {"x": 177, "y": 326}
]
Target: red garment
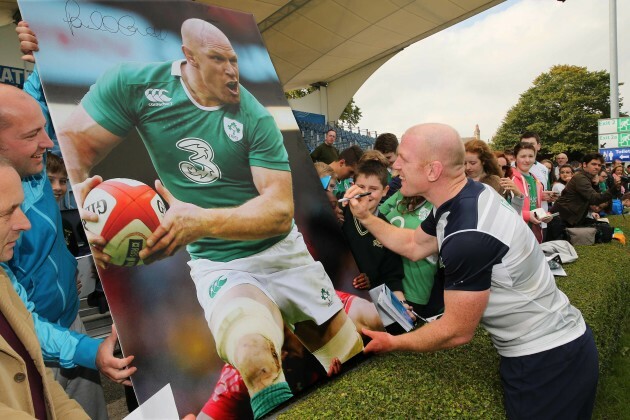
[
  {"x": 346, "y": 299},
  {"x": 230, "y": 399}
]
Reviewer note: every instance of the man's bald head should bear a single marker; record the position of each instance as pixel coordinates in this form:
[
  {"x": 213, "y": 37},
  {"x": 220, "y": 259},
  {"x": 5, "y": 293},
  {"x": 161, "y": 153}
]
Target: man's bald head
[
  {"x": 211, "y": 68},
  {"x": 23, "y": 138},
  {"x": 12, "y": 100},
  {"x": 562, "y": 158},
  {"x": 439, "y": 142},
  {"x": 430, "y": 161},
  {"x": 197, "y": 34}
]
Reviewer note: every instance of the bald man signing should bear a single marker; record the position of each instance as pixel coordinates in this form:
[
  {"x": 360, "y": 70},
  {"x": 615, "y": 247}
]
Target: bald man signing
[
  {"x": 495, "y": 275},
  {"x": 225, "y": 173}
]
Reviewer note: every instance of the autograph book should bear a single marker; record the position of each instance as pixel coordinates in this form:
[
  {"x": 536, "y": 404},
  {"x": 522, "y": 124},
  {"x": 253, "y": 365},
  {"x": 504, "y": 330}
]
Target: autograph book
[{"x": 392, "y": 312}]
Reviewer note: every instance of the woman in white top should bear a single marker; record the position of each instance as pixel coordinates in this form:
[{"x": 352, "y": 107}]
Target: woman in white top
[{"x": 565, "y": 173}]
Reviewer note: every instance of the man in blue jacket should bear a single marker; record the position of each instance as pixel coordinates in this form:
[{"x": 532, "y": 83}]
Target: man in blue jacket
[{"x": 42, "y": 269}]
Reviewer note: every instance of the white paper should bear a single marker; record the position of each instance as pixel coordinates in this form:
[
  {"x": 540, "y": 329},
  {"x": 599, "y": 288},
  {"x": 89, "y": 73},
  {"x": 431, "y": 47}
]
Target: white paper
[
  {"x": 160, "y": 406},
  {"x": 557, "y": 270}
]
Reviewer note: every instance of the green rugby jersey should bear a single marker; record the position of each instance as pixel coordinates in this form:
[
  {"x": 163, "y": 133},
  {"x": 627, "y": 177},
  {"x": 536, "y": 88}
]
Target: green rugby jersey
[
  {"x": 419, "y": 275},
  {"x": 202, "y": 154}
]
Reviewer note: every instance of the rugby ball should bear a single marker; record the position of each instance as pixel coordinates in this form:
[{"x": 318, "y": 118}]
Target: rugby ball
[{"x": 128, "y": 212}]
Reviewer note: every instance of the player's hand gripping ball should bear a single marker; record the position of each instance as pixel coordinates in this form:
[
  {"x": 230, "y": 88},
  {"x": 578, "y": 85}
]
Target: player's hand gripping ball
[{"x": 128, "y": 212}]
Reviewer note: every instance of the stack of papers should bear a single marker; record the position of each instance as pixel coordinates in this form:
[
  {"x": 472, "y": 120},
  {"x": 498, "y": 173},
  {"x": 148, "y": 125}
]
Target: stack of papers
[{"x": 390, "y": 309}]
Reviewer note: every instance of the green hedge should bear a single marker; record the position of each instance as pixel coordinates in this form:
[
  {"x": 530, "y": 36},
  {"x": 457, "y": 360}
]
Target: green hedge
[{"x": 464, "y": 382}]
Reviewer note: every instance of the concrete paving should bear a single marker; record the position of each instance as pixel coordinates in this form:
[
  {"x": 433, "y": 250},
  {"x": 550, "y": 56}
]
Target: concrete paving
[{"x": 115, "y": 398}]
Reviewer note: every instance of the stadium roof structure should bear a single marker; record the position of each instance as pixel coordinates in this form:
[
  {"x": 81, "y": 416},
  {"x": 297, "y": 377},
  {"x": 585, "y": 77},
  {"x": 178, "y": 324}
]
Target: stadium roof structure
[
  {"x": 338, "y": 44},
  {"x": 313, "y": 41}
]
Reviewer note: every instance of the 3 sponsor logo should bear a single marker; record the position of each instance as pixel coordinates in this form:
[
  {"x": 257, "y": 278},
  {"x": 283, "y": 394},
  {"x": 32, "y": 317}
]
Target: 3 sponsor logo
[{"x": 199, "y": 168}]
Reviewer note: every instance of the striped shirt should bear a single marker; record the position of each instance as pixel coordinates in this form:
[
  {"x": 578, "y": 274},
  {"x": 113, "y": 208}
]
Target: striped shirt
[{"x": 484, "y": 244}]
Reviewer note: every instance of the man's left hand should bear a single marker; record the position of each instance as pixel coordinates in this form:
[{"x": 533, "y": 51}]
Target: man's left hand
[
  {"x": 382, "y": 342},
  {"x": 179, "y": 227}
]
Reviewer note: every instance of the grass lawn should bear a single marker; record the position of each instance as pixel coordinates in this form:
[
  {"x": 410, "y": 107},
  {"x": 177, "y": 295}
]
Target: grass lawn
[{"x": 613, "y": 399}]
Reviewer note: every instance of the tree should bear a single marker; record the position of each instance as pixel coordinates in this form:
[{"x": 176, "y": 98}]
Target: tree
[
  {"x": 350, "y": 115},
  {"x": 563, "y": 107},
  {"x": 300, "y": 93}
]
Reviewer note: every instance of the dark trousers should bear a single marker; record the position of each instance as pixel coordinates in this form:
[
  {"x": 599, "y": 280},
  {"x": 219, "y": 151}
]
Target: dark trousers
[
  {"x": 556, "y": 230},
  {"x": 555, "y": 384}
]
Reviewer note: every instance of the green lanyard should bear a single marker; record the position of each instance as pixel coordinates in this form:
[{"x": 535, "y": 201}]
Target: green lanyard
[{"x": 533, "y": 194}]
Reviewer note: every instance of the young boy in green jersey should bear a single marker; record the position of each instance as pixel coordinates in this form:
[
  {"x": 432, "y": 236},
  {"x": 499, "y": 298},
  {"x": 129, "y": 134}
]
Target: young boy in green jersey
[{"x": 423, "y": 293}]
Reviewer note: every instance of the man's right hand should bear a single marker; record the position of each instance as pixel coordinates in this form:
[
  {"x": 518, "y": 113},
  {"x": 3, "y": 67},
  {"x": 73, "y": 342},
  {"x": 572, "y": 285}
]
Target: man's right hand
[
  {"x": 358, "y": 206},
  {"x": 97, "y": 242},
  {"x": 28, "y": 41}
]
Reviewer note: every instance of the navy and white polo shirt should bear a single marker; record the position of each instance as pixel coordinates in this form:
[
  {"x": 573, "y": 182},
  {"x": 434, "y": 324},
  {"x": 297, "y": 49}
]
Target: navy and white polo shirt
[{"x": 484, "y": 244}]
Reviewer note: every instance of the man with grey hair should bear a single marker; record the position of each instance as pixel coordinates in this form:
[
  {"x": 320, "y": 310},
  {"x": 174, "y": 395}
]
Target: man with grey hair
[
  {"x": 495, "y": 275},
  {"x": 28, "y": 387},
  {"x": 561, "y": 159}
]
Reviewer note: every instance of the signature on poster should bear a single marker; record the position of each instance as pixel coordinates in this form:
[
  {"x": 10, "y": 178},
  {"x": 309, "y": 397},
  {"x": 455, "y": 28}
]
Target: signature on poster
[{"x": 97, "y": 21}]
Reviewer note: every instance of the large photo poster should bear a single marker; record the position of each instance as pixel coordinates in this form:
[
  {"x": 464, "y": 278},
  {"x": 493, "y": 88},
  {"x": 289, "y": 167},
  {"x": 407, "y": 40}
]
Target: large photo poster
[{"x": 243, "y": 299}]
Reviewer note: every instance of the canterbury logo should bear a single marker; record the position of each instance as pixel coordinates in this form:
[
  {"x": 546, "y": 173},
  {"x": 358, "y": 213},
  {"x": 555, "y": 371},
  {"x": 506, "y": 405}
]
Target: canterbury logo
[
  {"x": 157, "y": 97},
  {"x": 216, "y": 286}
]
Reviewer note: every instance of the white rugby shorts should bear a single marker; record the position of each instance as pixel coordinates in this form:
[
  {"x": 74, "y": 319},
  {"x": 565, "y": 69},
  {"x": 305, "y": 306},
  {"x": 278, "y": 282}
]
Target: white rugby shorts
[{"x": 285, "y": 272}]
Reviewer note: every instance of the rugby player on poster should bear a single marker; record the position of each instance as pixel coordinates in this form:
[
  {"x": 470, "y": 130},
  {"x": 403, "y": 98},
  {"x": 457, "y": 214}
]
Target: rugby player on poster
[{"x": 226, "y": 176}]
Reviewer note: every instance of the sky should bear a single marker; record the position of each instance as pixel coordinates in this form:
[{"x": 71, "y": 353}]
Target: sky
[{"x": 474, "y": 72}]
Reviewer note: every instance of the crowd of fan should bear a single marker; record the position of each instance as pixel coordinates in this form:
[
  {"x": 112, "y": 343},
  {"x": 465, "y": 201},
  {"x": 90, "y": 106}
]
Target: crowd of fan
[{"x": 570, "y": 195}]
